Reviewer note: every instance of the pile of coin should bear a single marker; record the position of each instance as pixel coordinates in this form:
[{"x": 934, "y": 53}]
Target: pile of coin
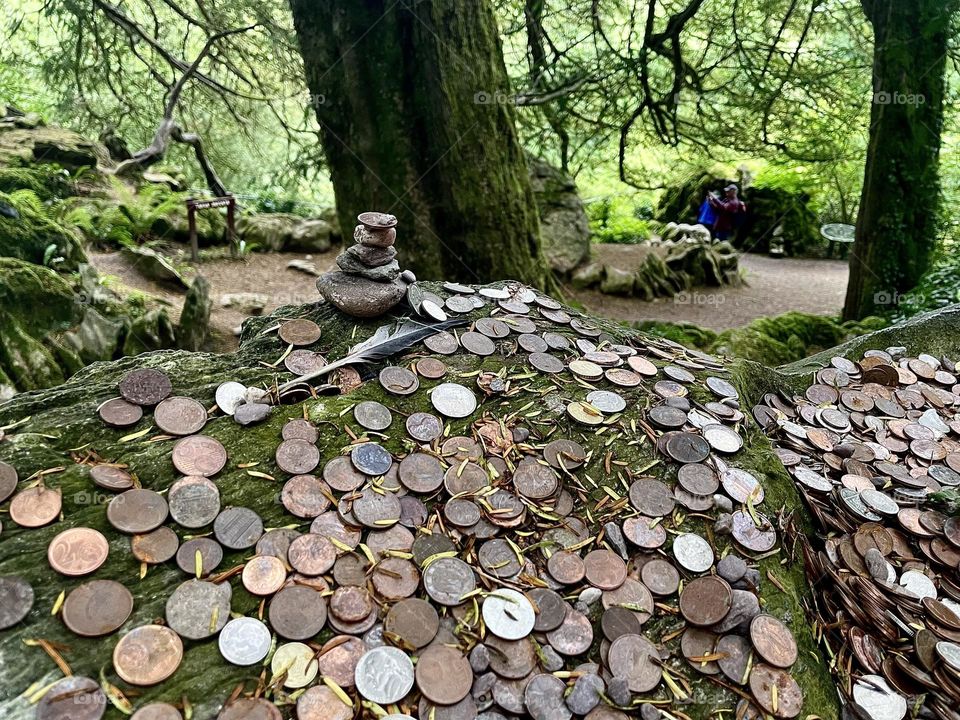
[
  {"x": 873, "y": 448},
  {"x": 587, "y": 549}
]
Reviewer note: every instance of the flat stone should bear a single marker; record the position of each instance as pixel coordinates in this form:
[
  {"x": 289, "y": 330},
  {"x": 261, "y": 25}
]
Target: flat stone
[
  {"x": 375, "y": 238},
  {"x": 750, "y": 580},
  {"x": 480, "y": 659},
  {"x": 372, "y": 256},
  {"x": 732, "y": 568},
  {"x": 613, "y": 535},
  {"x": 386, "y": 272},
  {"x": 304, "y": 266},
  {"x": 649, "y": 711},
  {"x": 618, "y": 690},
  {"x": 723, "y": 524},
  {"x": 590, "y": 596},
  {"x": 358, "y": 296},
  {"x": 550, "y": 659},
  {"x": 250, "y": 413},
  {"x": 723, "y": 503},
  {"x": 585, "y": 695},
  {"x": 744, "y": 608},
  {"x": 876, "y": 564}
]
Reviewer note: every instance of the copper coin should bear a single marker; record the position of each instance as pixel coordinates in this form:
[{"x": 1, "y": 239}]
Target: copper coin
[
  {"x": 321, "y": 703},
  {"x": 180, "y": 416},
  {"x": 431, "y": 368},
  {"x": 137, "y": 511},
  {"x": 467, "y": 478},
  {"x": 564, "y": 454},
  {"x": 297, "y": 457},
  {"x": 16, "y": 600},
  {"x": 372, "y": 415},
  {"x": 145, "y": 387},
  {"x": 340, "y": 474},
  {"x": 331, "y": 526},
  {"x": 443, "y": 343},
  {"x": 263, "y": 574},
  {"x": 311, "y": 554},
  {"x": 460, "y": 448},
  {"x": 199, "y": 455},
  {"x": 448, "y": 580},
  {"x": 573, "y": 636},
  {"x": 740, "y": 485},
  {"x": 202, "y": 553},
  {"x": 688, "y": 448},
  {"x": 511, "y": 659},
  {"x": 660, "y": 577},
  {"x": 194, "y": 501},
  {"x": 632, "y": 657},
  {"x": 351, "y": 603},
  {"x": 550, "y": 607},
  {"x": 155, "y": 547},
  {"x": 499, "y": 558},
  {"x": 535, "y": 480},
  {"x": 249, "y": 709},
  {"x": 35, "y": 506},
  {"x": 443, "y": 675},
  {"x": 338, "y": 659},
  {"x": 110, "y": 477},
  {"x": 461, "y": 513},
  {"x": 698, "y": 479},
  {"x": 633, "y": 596},
  {"x": 787, "y": 701},
  {"x": 395, "y": 578},
  {"x": 773, "y": 641},
  {"x": 304, "y": 362},
  {"x": 300, "y": 429},
  {"x": 238, "y": 528},
  {"x": 147, "y": 655},
  {"x": 97, "y": 608},
  {"x": 72, "y": 698},
  {"x": 424, "y": 427},
  {"x": 706, "y": 600},
  {"x": 297, "y": 612},
  {"x": 299, "y": 332},
  {"x": 414, "y": 621},
  {"x": 604, "y": 569},
  {"x": 377, "y": 509},
  {"x": 77, "y": 551},
  {"x": 645, "y": 532},
  {"x": 157, "y": 711},
  {"x": 566, "y": 567},
  {"x": 652, "y": 497},
  {"x": 751, "y": 536},
  {"x": 421, "y": 473},
  {"x": 276, "y": 542},
  {"x": 623, "y": 377},
  {"x": 305, "y": 496},
  {"x": 617, "y": 621},
  {"x": 119, "y": 413},
  {"x": 667, "y": 416},
  {"x": 399, "y": 380}
]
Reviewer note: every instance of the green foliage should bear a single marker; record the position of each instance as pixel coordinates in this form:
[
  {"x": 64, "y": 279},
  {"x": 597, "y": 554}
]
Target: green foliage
[
  {"x": 617, "y": 220},
  {"x": 939, "y": 287},
  {"x": 46, "y": 181},
  {"x": 29, "y": 236}
]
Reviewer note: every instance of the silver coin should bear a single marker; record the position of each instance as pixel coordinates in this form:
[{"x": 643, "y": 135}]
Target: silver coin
[
  {"x": 949, "y": 652},
  {"x": 459, "y": 304},
  {"x": 453, "y": 400},
  {"x": 878, "y": 699},
  {"x": 371, "y": 459},
  {"x": 543, "y": 698},
  {"x": 198, "y": 609},
  {"x": 384, "y": 675},
  {"x": 508, "y": 614},
  {"x": 606, "y": 401},
  {"x": 229, "y": 396},
  {"x": 193, "y": 501},
  {"x": 372, "y": 415},
  {"x": 918, "y": 584},
  {"x": 447, "y": 580},
  {"x": 693, "y": 552},
  {"x": 722, "y": 439},
  {"x": 244, "y": 641}
]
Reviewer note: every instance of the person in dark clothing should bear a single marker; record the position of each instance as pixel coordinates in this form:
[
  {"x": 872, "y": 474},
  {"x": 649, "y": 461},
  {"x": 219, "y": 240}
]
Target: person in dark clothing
[{"x": 728, "y": 208}]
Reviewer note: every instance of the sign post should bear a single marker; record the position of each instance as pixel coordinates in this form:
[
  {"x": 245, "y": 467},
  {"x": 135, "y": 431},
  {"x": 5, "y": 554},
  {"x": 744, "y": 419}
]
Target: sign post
[{"x": 229, "y": 202}]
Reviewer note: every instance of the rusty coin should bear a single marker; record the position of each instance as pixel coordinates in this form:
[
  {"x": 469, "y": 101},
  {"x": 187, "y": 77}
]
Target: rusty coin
[
  {"x": 180, "y": 416},
  {"x": 604, "y": 569},
  {"x": 299, "y": 332},
  {"x": 297, "y": 457},
  {"x": 16, "y": 600},
  {"x": 35, "y": 506},
  {"x": 773, "y": 641},
  {"x": 787, "y": 701},
  {"x": 706, "y": 600},
  {"x": 566, "y": 567},
  {"x": 145, "y": 387},
  {"x": 155, "y": 547},
  {"x": 305, "y": 496},
  {"x": 421, "y": 473},
  {"x": 573, "y": 636},
  {"x": 297, "y": 612},
  {"x": 194, "y": 501},
  {"x": 340, "y": 474},
  {"x": 300, "y": 429},
  {"x": 304, "y": 362}
]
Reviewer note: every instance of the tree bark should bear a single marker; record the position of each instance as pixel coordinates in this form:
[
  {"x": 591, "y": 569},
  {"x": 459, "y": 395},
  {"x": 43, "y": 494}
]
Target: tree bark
[
  {"x": 415, "y": 115},
  {"x": 897, "y": 223}
]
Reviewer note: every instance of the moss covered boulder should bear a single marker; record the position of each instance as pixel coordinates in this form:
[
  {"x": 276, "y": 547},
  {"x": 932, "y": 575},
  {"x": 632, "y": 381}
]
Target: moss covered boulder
[
  {"x": 29, "y": 233},
  {"x": 55, "y": 436}
]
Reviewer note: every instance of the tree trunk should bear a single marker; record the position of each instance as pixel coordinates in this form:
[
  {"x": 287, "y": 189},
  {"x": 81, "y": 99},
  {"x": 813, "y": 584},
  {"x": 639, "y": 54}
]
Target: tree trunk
[
  {"x": 415, "y": 116},
  {"x": 897, "y": 224}
]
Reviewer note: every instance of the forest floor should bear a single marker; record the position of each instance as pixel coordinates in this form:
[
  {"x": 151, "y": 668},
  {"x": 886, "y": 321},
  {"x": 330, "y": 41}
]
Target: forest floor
[{"x": 772, "y": 286}]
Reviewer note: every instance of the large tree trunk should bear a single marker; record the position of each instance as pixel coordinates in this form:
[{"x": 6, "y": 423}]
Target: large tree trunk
[
  {"x": 897, "y": 225},
  {"x": 415, "y": 116}
]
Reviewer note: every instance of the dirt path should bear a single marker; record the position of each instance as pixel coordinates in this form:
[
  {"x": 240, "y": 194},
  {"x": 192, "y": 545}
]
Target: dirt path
[
  {"x": 773, "y": 286},
  {"x": 261, "y": 273}
]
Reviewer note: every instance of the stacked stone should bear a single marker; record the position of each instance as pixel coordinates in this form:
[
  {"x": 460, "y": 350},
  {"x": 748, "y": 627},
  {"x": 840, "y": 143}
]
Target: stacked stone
[{"x": 369, "y": 282}]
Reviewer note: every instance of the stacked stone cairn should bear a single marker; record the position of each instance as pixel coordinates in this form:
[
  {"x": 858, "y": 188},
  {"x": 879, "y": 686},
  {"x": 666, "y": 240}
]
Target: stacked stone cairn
[{"x": 369, "y": 282}]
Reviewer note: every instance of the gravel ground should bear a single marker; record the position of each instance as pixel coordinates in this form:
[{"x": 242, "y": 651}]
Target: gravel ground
[{"x": 773, "y": 286}]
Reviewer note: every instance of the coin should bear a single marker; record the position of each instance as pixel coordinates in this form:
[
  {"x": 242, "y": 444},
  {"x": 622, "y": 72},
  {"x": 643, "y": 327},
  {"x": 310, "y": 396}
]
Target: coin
[
  {"x": 773, "y": 641},
  {"x": 297, "y": 457},
  {"x": 35, "y": 507},
  {"x": 447, "y": 580},
  {"x": 722, "y": 439},
  {"x": 443, "y": 675},
  {"x": 545, "y": 363},
  {"x": 424, "y": 427},
  {"x": 573, "y": 636},
  {"x": 566, "y": 567},
  {"x": 535, "y": 480},
  {"x": 340, "y": 474},
  {"x": 97, "y": 608},
  {"x": 147, "y": 655},
  {"x": 305, "y": 496},
  {"x": 145, "y": 387},
  {"x": 632, "y": 657},
  {"x": 660, "y": 577},
  {"x": 735, "y": 657},
  {"x": 693, "y": 552},
  {"x": 137, "y": 511},
  {"x": 758, "y": 538},
  {"x": 564, "y": 454},
  {"x": 193, "y": 501},
  {"x": 16, "y": 600},
  {"x": 202, "y": 553},
  {"x": 198, "y": 609},
  {"x": 312, "y": 554},
  {"x": 508, "y": 614},
  {"x": 376, "y": 509},
  {"x": 297, "y": 612},
  {"x": 443, "y": 343},
  {"x": 199, "y": 455},
  {"x": 158, "y": 711},
  {"x": 741, "y": 486},
  {"x": 706, "y": 600},
  {"x": 399, "y": 380},
  {"x": 585, "y": 413},
  {"x": 299, "y": 332},
  {"x": 300, "y": 429},
  {"x": 249, "y": 709},
  {"x": 77, "y": 551},
  {"x": 617, "y": 621},
  {"x": 229, "y": 396},
  {"x": 698, "y": 479},
  {"x": 696, "y": 643},
  {"x": 321, "y": 703},
  {"x": 237, "y": 528},
  {"x": 303, "y": 362},
  {"x": 414, "y": 621},
  {"x": 296, "y": 663},
  {"x": 155, "y": 547},
  {"x": 787, "y": 700},
  {"x": 330, "y": 525},
  {"x": 604, "y": 569},
  {"x": 632, "y": 595},
  {"x": 72, "y": 698},
  {"x": 453, "y": 400},
  {"x": 652, "y": 497},
  {"x": 244, "y": 641},
  {"x": 371, "y": 459},
  {"x": 263, "y": 574},
  {"x": 687, "y": 448},
  {"x": 645, "y": 532},
  {"x": 421, "y": 473},
  {"x": 180, "y": 416},
  {"x": 119, "y": 413},
  {"x": 110, "y": 477},
  {"x": 384, "y": 675}
]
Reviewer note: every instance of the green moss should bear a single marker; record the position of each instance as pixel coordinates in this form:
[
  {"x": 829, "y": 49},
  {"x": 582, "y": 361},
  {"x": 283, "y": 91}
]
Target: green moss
[
  {"x": 686, "y": 334},
  {"x": 46, "y": 181},
  {"x": 30, "y": 235},
  {"x": 36, "y": 296},
  {"x": 24, "y": 359}
]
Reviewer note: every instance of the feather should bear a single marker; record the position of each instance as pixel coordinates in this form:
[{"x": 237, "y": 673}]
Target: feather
[{"x": 387, "y": 340}]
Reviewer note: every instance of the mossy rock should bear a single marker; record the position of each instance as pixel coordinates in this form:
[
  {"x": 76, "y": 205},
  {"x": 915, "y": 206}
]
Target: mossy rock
[
  {"x": 27, "y": 363},
  {"x": 47, "y": 181},
  {"x": 50, "y": 144},
  {"x": 34, "y": 236},
  {"x": 37, "y": 296}
]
